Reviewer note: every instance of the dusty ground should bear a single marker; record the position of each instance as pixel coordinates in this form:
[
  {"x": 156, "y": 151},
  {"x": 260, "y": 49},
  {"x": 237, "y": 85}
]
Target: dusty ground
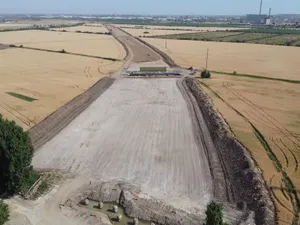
[
  {"x": 273, "y": 107},
  {"x": 53, "y": 79},
  {"x": 152, "y": 153},
  {"x": 271, "y": 61},
  {"x": 90, "y": 44},
  {"x": 98, "y": 28},
  {"x": 137, "y": 51}
]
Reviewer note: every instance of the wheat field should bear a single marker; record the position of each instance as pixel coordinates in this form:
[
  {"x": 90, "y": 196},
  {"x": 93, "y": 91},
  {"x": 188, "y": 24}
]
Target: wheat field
[
  {"x": 264, "y": 60},
  {"x": 53, "y": 79},
  {"x": 90, "y": 44},
  {"x": 273, "y": 108}
]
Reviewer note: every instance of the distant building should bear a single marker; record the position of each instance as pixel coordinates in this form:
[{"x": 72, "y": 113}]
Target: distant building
[{"x": 256, "y": 18}]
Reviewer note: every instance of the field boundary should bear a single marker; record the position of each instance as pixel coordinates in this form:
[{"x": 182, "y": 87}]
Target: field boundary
[
  {"x": 257, "y": 77},
  {"x": 63, "y": 52},
  {"x": 56, "y": 121},
  {"x": 246, "y": 177}
]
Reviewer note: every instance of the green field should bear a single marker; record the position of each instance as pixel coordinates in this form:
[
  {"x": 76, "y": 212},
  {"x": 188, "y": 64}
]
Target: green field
[
  {"x": 23, "y": 97},
  {"x": 267, "y": 38}
]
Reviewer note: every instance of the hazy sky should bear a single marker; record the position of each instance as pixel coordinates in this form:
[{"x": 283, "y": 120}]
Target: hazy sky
[{"x": 197, "y": 7}]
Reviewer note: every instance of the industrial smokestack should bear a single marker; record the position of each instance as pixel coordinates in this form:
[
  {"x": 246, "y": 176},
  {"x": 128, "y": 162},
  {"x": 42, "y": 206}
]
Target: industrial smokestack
[
  {"x": 270, "y": 10},
  {"x": 261, "y": 2}
]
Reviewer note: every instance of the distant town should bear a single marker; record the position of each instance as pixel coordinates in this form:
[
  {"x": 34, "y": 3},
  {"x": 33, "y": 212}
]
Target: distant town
[{"x": 290, "y": 20}]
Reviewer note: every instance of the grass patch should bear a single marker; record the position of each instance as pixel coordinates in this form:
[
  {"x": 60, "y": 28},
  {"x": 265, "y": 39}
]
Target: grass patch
[
  {"x": 42, "y": 189},
  {"x": 258, "y": 77},
  {"x": 23, "y": 97},
  {"x": 4, "y": 212},
  {"x": 254, "y": 36},
  {"x": 31, "y": 178}
]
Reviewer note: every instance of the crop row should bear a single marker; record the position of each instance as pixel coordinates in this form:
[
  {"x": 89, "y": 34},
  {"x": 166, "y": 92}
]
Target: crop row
[{"x": 240, "y": 37}]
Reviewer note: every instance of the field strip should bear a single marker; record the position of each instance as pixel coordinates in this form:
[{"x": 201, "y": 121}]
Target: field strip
[
  {"x": 257, "y": 77},
  {"x": 65, "y": 52},
  {"x": 284, "y": 176}
]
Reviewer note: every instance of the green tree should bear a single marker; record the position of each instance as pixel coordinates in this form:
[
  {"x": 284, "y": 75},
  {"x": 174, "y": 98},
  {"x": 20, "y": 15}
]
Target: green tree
[
  {"x": 214, "y": 214},
  {"x": 205, "y": 74},
  {"x": 4, "y": 213},
  {"x": 16, "y": 153}
]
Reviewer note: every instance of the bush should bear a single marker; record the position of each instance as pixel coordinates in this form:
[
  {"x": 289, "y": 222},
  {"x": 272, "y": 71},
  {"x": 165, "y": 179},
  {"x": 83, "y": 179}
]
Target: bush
[
  {"x": 21, "y": 46},
  {"x": 16, "y": 152},
  {"x": 214, "y": 214},
  {"x": 4, "y": 212},
  {"x": 234, "y": 72},
  {"x": 205, "y": 74},
  {"x": 63, "y": 51}
]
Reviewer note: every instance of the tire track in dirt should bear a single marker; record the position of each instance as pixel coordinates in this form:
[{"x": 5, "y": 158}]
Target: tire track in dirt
[
  {"x": 16, "y": 116},
  {"x": 277, "y": 198},
  {"x": 294, "y": 156},
  {"x": 108, "y": 64},
  {"x": 269, "y": 117},
  {"x": 256, "y": 108},
  {"x": 24, "y": 118},
  {"x": 273, "y": 139}
]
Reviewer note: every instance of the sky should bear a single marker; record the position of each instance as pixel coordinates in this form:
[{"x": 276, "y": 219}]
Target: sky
[{"x": 150, "y": 7}]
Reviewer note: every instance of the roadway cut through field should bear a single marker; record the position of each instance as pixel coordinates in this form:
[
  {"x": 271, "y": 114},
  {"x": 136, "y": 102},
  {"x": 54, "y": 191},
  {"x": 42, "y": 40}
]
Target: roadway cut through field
[{"x": 139, "y": 131}]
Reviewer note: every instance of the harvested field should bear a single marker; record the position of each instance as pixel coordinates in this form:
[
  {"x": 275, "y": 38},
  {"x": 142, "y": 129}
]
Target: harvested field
[
  {"x": 174, "y": 28},
  {"x": 4, "y": 26},
  {"x": 99, "y": 28},
  {"x": 273, "y": 108},
  {"x": 151, "y": 32},
  {"x": 264, "y": 60},
  {"x": 89, "y": 44},
  {"x": 52, "y": 79},
  {"x": 161, "y": 153}
]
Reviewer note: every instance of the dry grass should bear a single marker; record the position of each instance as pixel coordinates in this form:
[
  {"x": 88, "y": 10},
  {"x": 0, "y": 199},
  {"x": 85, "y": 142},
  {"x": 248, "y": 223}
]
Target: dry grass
[
  {"x": 273, "y": 108},
  {"x": 99, "y": 28},
  {"x": 52, "y": 79},
  {"x": 270, "y": 61},
  {"x": 90, "y": 44}
]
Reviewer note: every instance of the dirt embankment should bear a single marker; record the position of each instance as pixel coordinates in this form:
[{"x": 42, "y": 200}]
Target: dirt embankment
[
  {"x": 55, "y": 122},
  {"x": 248, "y": 184},
  {"x": 135, "y": 205},
  {"x": 167, "y": 59}
]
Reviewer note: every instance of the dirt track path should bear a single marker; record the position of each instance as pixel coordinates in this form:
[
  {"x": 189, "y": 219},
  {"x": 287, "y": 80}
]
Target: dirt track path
[{"x": 139, "y": 130}]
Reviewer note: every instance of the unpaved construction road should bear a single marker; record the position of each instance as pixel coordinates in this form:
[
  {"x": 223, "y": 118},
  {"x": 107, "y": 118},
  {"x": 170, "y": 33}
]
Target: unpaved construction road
[{"x": 139, "y": 131}]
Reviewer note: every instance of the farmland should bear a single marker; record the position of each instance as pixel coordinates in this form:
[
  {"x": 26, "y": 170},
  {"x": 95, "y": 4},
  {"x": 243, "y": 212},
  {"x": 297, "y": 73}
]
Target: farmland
[
  {"x": 263, "y": 114},
  {"x": 85, "y": 28},
  {"x": 243, "y": 58},
  {"x": 272, "y": 107},
  {"x": 90, "y": 44},
  {"x": 167, "y": 30},
  {"x": 51, "y": 79},
  {"x": 273, "y": 37}
]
